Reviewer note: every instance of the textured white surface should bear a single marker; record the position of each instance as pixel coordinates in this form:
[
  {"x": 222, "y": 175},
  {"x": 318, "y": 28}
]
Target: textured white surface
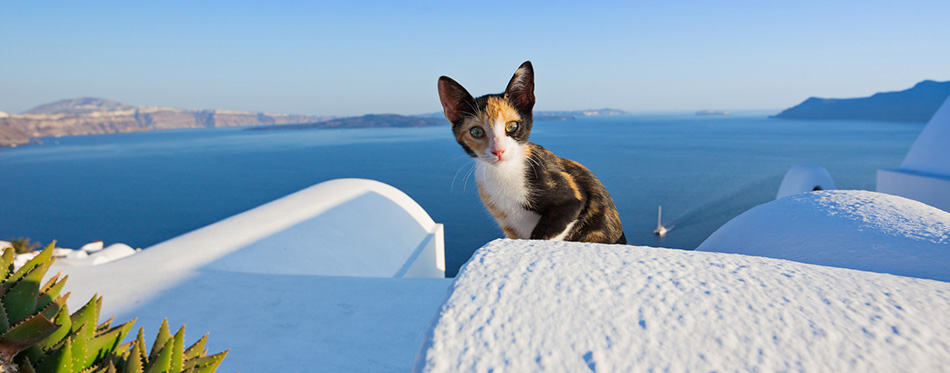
[
  {"x": 526, "y": 306},
  {"x": 849, "y": 229}
]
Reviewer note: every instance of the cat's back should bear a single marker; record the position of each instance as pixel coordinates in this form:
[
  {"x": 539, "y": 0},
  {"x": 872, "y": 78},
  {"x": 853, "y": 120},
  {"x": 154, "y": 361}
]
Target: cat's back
[{"x": 554, "y": 179}]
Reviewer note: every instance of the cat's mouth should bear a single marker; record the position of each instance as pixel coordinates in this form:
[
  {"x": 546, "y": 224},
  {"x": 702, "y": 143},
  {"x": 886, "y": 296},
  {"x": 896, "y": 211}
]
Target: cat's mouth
[
  {"x": 495, "y": 158},
  {"x": 492, "y": 159}
]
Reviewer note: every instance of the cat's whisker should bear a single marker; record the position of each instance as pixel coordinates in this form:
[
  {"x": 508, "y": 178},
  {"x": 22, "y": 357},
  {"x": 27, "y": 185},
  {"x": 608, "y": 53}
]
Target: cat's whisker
[
  {"x": 468, "y": 176},
  {"x": 452, "y": 188},
  {"x": 465, "y": 178},
  {"x": 533, "y": 163}
]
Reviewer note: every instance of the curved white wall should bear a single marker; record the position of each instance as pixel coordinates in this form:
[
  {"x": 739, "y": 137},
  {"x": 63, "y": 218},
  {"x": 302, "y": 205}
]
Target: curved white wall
[
  {"x": 344, "y": 227},
  {"x": 931, "y": 151},
  {"x": 925, "y": 174},
  {"x": 803, "y": 178}
]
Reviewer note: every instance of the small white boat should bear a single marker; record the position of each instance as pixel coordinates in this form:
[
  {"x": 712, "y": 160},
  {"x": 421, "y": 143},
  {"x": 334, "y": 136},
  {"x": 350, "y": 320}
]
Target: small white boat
[{"x": 660, "y": 229}]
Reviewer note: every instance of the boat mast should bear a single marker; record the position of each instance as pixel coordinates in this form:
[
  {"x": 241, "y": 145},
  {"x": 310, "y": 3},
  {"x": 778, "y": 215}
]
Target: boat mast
[{"x": 660, "y": 229}]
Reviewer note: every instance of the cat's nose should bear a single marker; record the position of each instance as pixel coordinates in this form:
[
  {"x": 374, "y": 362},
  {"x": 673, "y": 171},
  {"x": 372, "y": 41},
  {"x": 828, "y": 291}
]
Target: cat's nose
[{"x": 498, "y": 152}]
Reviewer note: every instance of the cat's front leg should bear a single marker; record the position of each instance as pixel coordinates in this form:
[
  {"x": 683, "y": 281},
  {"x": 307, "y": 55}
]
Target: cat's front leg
[{"x": 557, "y": 221}]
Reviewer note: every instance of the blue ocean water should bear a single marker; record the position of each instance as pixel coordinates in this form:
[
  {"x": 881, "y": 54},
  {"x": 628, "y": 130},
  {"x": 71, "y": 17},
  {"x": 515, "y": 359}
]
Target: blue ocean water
[{"x": 144, "y": 188}]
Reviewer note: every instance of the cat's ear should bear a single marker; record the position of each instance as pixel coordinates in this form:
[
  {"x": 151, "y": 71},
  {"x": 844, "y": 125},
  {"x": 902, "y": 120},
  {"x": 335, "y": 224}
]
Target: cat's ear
[
  {"x": 520, "y": 89},
  {"x": 456, "y": 101}
]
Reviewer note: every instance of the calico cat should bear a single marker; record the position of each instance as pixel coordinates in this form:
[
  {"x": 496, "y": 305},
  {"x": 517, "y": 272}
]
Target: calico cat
[{"x": 533, "y": 193}]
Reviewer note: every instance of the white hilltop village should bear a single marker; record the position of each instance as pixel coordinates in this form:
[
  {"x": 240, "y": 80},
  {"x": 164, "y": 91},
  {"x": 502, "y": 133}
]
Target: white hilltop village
[{"x": 817, "y": 280}]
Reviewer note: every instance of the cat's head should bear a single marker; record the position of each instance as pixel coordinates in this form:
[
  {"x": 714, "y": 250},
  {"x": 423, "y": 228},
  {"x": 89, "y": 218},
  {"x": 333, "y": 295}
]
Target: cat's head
[{"x": 492, "y": 128}]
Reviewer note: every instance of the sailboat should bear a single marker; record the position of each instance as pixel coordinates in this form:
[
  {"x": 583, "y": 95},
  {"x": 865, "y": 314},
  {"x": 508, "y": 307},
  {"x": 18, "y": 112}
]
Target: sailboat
[{"x": 660, "y": 229}]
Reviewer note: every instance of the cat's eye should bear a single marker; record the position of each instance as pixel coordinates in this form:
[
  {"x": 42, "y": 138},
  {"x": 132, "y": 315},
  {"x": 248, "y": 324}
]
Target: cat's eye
[
  {"x": 511, "y": 127},
  {"x": 477, "y": 132}
]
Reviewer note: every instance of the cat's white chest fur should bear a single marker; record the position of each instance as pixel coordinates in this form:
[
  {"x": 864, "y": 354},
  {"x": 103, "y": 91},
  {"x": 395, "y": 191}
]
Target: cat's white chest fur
[{"x": 506, "y": 189}]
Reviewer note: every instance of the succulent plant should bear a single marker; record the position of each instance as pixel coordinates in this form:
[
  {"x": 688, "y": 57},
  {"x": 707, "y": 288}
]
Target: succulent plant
[
  {"x": 37, "y": 333},
  {"x": 23, "y": 245}
]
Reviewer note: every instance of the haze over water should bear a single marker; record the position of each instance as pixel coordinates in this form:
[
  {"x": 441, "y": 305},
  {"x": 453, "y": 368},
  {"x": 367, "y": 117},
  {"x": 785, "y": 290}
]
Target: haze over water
[{"x": 144, "y": 188}]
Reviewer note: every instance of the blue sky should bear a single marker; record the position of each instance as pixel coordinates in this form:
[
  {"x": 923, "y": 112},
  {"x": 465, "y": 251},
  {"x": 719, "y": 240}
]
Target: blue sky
[{"x": 359, "y": 57}]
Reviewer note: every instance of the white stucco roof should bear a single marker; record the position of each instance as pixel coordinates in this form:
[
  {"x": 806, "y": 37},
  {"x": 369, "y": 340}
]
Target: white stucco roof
[
  {"x": 525, "y": 306},
  {"x": 849, "y": 229}
]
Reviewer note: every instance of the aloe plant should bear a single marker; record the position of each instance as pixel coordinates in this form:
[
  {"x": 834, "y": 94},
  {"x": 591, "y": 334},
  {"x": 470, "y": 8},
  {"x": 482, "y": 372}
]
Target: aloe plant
[
  {"x": 38, "y": 334},
  {"x": 23, "y": 245}
]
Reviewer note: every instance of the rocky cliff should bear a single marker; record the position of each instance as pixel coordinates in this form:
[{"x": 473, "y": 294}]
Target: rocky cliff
[
  {"x": 916, "y": 104},
  {"x": 88, "y": 116}
]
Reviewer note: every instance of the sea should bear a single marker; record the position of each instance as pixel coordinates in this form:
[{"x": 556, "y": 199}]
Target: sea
[{"x": 143, "y": 188}]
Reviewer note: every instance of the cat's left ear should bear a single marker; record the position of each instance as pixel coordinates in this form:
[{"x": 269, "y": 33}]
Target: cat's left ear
[
  {"x": 456, "y": 101},
  {"x": 520, "y": 89}
]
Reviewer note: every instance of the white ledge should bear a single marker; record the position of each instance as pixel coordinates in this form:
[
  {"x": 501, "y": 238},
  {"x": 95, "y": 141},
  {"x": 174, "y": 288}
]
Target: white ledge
[{"x": 524, "y": 306}]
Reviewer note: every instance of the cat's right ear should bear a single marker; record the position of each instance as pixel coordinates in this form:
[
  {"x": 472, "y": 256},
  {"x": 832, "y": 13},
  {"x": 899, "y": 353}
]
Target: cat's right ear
[{"x": 456, "y": 101}]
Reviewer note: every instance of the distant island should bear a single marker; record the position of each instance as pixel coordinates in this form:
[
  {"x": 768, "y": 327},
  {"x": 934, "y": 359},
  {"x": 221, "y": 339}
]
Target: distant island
[
  {"x": 712, "y": 112},
  {"x": 365, "y": 121},
  {"x": 91, "y": 116},
  {"x": 916, "y": 104},
  {"x": 581, "y": 113}
]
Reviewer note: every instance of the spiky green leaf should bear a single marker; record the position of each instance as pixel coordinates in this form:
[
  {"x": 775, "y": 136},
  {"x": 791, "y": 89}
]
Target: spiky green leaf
[
  {"x": 30, "y": 331},
  {"x": 51, "y": 282},
  {"x": 134, "y": 363},
  {"x": 43, "y": 259},
  {"x": 58, "y": 360},
  {"x": 49, "y": 293},
  {"x": 208, "y": 364},
  {"x": 197, "y": 349},
  {"x": 162, "y": 362},
  {"x": 4, "y": 320},
  {"x": 23, "y": 338},
  {"x": 140, "y": 341},
  {"x": 20, "y": 298},
  {"x": 164, "y": 335},
  {"x": 62, "y": 319},
  {"x": 6, "y": 263},
  {"x": 178, "y": 350},
  {"x": 53, "y": 308},
  {"x": 89, "y": 313},
  {"x": 105, "y": 325},
  {"x": 79, "y": 342},
  {"x": 106, "y": 343},
  {"x": 26, "y": 366}
]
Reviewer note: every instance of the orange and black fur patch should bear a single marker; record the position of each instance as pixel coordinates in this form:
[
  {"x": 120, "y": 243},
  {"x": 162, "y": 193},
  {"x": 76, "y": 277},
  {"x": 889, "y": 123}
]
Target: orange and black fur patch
[{"x": 532, "y": 193}]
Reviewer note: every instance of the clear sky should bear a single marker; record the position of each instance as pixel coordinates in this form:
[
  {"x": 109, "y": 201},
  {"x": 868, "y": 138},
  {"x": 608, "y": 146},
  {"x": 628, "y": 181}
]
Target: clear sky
[{"x": 359, "y": 57}]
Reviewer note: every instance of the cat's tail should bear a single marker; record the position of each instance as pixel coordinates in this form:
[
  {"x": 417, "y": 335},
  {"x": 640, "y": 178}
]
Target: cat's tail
[{"x": 622, "y": 240}]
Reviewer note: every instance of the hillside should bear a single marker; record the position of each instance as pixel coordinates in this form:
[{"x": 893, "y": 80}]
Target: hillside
[
  {"x": 365, "y": 121},
  {"x": 916, "y": 104},
  {"x": 91, "y": 116}
]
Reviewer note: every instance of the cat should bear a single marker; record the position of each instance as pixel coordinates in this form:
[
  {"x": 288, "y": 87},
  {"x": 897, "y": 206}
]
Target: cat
[{"x": 532, "y": 193}]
